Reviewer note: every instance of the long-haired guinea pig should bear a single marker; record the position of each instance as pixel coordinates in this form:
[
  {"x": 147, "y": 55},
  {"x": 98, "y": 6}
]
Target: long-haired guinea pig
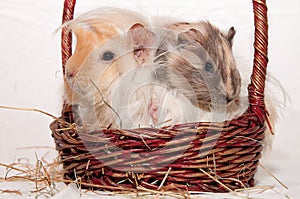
[
  {"x": 110, "y": 42},
  {"x": 197, "y": 61}
]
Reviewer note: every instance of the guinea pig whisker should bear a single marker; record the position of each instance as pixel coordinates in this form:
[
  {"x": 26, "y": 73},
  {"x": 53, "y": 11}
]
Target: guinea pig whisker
[
  {"x": 106, "y": 103},
  {"x": 160, "y": 55}
]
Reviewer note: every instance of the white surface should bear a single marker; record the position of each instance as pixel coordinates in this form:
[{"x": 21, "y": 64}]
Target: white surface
[{"x": 30, "y": 75}]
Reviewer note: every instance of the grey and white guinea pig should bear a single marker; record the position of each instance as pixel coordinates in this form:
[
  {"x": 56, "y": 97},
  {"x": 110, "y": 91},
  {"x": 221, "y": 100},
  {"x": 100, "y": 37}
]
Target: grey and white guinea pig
[{"x": 197, "y": 60}]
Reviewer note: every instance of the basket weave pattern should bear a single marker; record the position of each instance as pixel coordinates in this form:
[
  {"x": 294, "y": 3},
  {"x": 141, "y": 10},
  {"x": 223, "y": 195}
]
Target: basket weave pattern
[{"x": 212, "y": 157}]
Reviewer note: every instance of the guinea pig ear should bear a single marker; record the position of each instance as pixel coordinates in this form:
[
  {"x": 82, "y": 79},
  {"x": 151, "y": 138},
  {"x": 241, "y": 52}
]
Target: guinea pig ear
[
  {"x": 142, "y": 40},
  {"x": 140, "y": 36},
  {"x": 135, "y": 26},
  {"x": 190, "y": 36},
  {"x": 230, "y": 35},
  {"x": 183, "y": 39}
]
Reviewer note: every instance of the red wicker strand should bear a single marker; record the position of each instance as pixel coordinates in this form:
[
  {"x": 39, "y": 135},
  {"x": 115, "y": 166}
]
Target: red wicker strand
[
  {"x": 66, "y": 35},
  {"x": 257, "y": 85}
]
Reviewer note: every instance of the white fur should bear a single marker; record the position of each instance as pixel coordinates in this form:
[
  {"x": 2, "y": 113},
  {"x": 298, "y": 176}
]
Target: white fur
[{"x": 119, "y": 18}]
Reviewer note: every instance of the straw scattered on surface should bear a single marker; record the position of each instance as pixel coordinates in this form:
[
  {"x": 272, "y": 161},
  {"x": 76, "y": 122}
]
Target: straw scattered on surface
[{"x": 46, "y": 175}]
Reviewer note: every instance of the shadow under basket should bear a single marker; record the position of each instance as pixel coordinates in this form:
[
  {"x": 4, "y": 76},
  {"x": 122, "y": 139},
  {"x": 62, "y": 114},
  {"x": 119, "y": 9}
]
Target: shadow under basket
[{"x": 209, "y": 157}]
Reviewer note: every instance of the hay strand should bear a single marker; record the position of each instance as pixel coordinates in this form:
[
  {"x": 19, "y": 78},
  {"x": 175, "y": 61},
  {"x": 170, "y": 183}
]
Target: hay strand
[
  {"x": 38, "y": 111},
  {"x": 268, "y": 172},
  {"x": 218, "y": 181}
]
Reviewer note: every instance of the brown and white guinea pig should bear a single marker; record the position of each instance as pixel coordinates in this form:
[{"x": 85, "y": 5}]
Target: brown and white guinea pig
[
  {"x": 198, "y": 57},
  {"x": 109, "y": 43},
  {"x": 197, "y": 61}
]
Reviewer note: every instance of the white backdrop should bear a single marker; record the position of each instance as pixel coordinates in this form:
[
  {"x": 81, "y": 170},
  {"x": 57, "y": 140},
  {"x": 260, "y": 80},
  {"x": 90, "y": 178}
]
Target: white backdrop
[{"x": 30, "y": 69}]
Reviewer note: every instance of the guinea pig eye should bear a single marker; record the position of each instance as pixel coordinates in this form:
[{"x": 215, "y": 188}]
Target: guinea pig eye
[
  {"x": 107, "y": 56},
  {"x": 209, "y": 67}
]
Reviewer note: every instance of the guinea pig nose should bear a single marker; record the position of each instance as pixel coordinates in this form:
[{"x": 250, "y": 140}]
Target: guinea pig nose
[{"x": 70, "y": 74}]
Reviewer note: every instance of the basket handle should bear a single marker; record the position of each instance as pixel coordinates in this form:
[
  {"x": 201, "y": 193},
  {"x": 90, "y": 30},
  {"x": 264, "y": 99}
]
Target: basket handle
[
  {"x": 258, "y": 77},
  {"x": 66, "y": 35},
  {"x": 257, "y": 86}
]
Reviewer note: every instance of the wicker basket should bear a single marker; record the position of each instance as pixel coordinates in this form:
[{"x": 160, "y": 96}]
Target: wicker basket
[{"x": 210, "y": 157}]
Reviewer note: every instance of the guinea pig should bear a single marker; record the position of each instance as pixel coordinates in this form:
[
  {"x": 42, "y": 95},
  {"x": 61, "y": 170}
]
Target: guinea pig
[
  {"x": 109, "y": 43},
  {"x": 198, "y": 57},
  {"x": 197, "y": 61},
  {"x": 91, "y": 29}
]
